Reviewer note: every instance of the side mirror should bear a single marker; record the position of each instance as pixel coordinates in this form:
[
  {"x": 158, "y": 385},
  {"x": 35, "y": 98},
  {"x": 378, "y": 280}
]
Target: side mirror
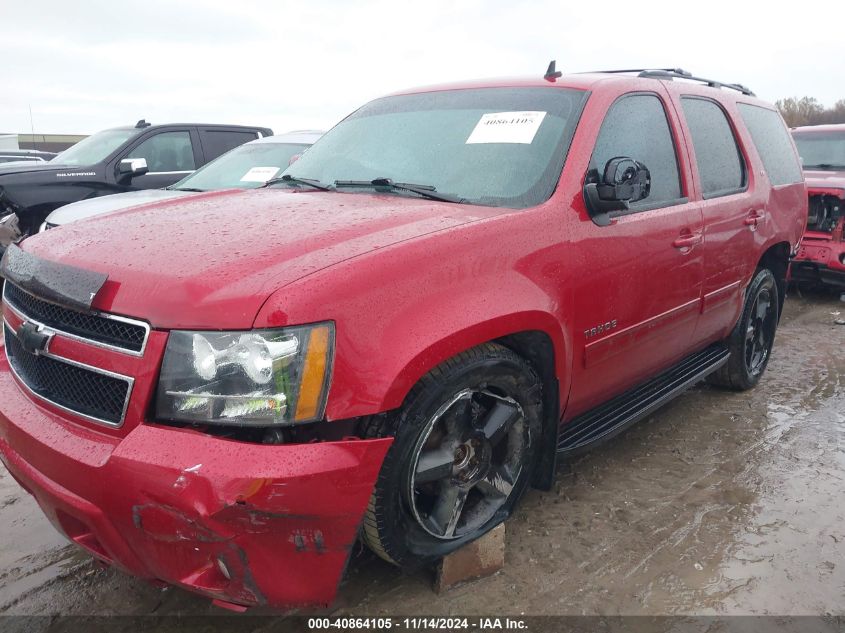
[
  {"x": 131, "y": 167},
  {"x": 624, "y": 181}
]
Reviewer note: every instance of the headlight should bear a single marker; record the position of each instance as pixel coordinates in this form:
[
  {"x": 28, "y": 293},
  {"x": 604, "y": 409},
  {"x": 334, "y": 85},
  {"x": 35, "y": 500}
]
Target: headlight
[{"x": 254, "y": 378}]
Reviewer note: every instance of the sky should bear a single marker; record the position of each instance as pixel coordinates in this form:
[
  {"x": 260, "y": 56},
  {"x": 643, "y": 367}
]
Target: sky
[{"x": 88, "y": 65}]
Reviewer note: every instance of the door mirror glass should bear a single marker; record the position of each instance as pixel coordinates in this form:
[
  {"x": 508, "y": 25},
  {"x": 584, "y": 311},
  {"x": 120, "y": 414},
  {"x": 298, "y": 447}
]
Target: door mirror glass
[
  {"x": 623, "y": 181},
  {"x": 131, "y": 167}
]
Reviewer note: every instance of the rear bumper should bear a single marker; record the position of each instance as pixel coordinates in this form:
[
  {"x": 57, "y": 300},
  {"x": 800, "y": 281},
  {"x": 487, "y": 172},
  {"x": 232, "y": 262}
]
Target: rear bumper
[{"x": 243, "y": 523}]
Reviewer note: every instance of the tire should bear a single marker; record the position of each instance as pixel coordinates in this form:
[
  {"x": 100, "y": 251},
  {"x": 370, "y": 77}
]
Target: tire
[
  {"x": 463, "y": 453},
  {"x": 750, "y": 343}
]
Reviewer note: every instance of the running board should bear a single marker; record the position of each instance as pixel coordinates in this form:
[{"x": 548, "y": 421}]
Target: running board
[{"x": 614, "y": 416}]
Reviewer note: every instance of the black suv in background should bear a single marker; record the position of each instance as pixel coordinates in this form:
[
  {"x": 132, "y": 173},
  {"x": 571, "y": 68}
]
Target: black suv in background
[{"x": 112, "y": 161}]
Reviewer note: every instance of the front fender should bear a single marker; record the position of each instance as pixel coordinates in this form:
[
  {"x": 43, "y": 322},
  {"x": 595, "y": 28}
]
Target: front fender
[
  {"x": 402, "y": 310},
  {"x": 418, "y": 358}
]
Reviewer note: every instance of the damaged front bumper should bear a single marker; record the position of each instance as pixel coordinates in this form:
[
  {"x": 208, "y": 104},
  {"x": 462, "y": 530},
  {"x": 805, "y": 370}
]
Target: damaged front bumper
[
  {"x": 245, "y": 524},
  {"x": 820, "y": 259}
]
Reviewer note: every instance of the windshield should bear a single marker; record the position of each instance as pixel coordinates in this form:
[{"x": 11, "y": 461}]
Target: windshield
[
  {"x": 492, "y": 146},
  {"x": 244, "y": 167},
  {"x": 821, "y": 150},
  {"x": 95, "y": 148}
]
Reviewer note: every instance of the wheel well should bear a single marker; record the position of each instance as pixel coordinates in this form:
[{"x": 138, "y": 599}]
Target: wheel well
[
  {"x": 537, "y": 348},
  {"x": 776, "y": 259}
]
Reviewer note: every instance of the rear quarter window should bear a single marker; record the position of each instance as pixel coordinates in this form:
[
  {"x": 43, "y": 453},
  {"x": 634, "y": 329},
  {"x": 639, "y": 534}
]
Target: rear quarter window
[{"x": 771, "y": 138}]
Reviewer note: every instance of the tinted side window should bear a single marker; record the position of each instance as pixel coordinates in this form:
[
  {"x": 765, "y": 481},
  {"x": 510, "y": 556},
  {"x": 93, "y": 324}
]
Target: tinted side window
[
  {"x": 720, "y": 165},
  {"x": 217, "y": 142},
  {"x": 768, "y": 131},
  {"x": 168, "y": 151},
  {"x": 636, "y": 127}
]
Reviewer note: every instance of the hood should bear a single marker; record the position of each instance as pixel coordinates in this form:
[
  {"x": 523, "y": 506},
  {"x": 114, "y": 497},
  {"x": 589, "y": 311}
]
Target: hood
[
  {"x": 22, "y": 161},
  {"x": 8, "y": 169},
  {"x": 106, "y": 204},
  {"x": 209, "y": 261},
  {"x": 818, "y": 179}
]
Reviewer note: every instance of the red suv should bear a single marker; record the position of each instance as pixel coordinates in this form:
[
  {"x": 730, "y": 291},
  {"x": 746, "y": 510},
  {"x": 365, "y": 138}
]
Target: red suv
[
  {"x": 455, "y": 288},
  {"x": 821, "y": 257}
]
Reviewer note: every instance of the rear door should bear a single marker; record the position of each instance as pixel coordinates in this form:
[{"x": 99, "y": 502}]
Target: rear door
[
  {"x": 730, "y": 208},
  {"x": 171, "y": 154},
  {"x": 637, "y": 305},
  {"x": 218, "y": 141}
]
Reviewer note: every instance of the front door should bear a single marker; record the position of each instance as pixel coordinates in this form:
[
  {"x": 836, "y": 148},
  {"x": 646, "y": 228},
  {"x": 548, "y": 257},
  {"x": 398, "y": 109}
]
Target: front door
[
  {"x": 170, "y": 156},
  {"x": 637, "y": 302}
]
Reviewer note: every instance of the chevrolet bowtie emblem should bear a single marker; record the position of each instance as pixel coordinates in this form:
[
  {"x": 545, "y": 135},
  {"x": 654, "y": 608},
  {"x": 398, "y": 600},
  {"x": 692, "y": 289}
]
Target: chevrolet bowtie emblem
[{"x": 33, "y": 339}]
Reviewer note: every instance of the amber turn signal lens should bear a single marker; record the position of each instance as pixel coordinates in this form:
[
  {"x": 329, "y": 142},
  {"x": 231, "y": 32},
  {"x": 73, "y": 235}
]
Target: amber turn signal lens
[{"x": 313, "y": 374}]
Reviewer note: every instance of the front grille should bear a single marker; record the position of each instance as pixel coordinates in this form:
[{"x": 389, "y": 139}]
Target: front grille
[
  {"x": 106, "y": 330},
  {"x": 81, "y": 390}
]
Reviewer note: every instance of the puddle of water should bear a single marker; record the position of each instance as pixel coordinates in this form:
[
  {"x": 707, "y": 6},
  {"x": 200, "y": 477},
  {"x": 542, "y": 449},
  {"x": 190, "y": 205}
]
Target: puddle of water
[{"x": 32, "y": 551}]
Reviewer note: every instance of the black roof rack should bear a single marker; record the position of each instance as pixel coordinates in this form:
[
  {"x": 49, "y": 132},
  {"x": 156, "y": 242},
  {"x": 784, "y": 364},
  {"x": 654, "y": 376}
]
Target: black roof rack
[{"x": 671, "y": 73}]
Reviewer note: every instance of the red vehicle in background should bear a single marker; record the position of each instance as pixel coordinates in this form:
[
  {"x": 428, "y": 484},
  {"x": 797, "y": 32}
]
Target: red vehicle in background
[
  {"x": 454, "y": 288},
  {"x": 821, "y": 257}
]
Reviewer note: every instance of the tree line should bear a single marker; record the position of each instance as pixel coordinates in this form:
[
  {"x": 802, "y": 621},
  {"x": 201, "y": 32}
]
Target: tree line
[{"x": 808, "y": 111}]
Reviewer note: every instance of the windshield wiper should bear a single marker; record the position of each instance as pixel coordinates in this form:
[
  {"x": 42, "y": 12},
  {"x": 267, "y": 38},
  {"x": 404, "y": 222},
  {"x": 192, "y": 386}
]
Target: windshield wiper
[
  {"x": 427, "y": 191},
  {"x": 298, "y": 181},
  {"x": 192, "y": 189},
  {"x": 824, "y": 166}
]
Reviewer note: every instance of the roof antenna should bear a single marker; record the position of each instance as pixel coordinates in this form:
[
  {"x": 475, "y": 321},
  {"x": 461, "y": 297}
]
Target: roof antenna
[
  {"x": 551, "y": 73},
  {"x": 142, "y": 124},
  {"x": 31, "y": 128}
]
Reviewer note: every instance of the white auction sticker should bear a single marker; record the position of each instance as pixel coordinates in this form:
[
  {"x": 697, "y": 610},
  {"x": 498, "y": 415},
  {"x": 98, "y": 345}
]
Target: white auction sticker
[
  {"x": 506, "y": 127},
  {"x": 260, "y": 174}
]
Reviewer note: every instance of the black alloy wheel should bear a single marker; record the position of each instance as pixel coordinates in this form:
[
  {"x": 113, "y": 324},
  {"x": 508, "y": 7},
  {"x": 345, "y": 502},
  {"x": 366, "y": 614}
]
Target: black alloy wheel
[{"x": 463, "y": 453}]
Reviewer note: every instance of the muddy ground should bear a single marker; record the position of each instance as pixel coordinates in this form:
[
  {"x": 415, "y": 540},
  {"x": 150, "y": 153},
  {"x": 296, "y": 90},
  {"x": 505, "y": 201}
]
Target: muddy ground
[{"x": 721, "y": 503}]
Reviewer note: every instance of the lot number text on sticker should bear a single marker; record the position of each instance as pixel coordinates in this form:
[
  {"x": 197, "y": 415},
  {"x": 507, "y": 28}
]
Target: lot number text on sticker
[
  {"x": 260, "y": 174},
  {"x": 506, "y": 127}
]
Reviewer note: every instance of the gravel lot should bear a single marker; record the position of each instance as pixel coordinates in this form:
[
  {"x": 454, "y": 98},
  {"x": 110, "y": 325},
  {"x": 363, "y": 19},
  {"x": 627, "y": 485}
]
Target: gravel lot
[{"x": 720, "y": 504}]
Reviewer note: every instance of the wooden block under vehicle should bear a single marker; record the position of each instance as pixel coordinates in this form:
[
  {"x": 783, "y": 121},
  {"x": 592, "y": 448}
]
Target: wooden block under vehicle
[{"x": 479, "y": 559}]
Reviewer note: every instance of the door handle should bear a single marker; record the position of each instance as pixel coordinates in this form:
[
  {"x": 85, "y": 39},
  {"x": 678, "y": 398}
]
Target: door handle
[
  {"x": 687, "y": 240},
  {"x": 753, "y": 218}
]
